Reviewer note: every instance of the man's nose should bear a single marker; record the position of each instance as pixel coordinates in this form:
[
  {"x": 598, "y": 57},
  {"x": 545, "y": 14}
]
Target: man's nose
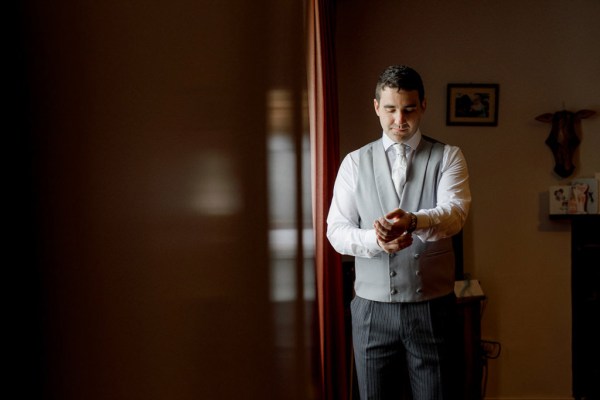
[{"x": 400, "y": 118}]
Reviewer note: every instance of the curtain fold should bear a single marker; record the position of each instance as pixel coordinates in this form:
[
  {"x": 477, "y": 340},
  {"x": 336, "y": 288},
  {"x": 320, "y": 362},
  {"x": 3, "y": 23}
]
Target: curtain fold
[{"x": 324, "y": 133}]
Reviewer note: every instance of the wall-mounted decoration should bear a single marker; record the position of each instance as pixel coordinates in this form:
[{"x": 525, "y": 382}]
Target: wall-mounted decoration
[
  {"x": 564, "y": 137},
  {"x": 559, "y": 199},
  {"x": 472, "y": 104},
  {"x": 579, "y": 197}
]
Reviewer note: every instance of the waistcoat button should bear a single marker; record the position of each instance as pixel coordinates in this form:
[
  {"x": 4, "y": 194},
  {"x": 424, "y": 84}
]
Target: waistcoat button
[
  {"x": 394, "y": 291},
  {"x": 392, "y": 273}
]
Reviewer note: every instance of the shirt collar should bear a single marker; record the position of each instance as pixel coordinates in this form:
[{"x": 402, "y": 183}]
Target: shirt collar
[{"x": 413, "y": 142}]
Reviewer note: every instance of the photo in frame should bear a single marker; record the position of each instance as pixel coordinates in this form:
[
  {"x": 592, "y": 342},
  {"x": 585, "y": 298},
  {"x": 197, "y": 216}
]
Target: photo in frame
[{"x": 473, "y": 104}]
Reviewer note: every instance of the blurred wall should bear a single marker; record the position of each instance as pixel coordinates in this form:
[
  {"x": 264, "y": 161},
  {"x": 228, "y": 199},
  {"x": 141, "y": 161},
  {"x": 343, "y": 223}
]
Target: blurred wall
[
  {"x": 544, "y": 55},
  {"x": 143, "y": 137}
]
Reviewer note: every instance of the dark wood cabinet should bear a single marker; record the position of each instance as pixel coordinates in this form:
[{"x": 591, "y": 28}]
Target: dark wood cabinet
[
  {"x": 470, "y": 357},
  {"x": 585, "y": 292}
]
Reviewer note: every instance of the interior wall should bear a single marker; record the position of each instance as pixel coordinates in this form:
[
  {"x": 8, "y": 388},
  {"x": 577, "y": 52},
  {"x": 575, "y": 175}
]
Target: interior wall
[
  {"x": 141, "y": 229},
  {"x": 544, "y": 56}
]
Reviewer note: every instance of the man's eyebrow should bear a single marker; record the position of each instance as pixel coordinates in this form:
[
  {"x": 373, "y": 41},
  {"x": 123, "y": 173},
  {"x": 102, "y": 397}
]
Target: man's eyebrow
[{"x": 404, "y": 107}]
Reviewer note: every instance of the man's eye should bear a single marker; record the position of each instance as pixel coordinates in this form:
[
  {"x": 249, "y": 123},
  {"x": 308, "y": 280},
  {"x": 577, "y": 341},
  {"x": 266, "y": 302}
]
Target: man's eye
[{"x": 409, "y": 109}]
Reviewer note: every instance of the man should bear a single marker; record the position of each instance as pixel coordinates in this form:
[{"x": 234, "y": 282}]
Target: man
[{"x": 395, "y": 209}]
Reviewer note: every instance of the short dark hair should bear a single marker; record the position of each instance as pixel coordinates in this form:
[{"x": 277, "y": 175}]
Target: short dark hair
[{"x": 400, "y": 77}]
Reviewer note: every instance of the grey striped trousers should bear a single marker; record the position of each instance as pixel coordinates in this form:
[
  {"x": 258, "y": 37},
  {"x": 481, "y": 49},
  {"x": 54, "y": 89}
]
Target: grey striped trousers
[{"x": 404, "y": 349}]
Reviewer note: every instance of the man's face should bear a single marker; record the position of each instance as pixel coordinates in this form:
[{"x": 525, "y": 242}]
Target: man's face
[{"x": 399, "y": 113}]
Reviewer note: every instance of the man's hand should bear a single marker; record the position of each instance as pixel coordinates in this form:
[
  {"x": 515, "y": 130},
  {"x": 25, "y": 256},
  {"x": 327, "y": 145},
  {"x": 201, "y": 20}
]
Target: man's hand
[
  {"x": 394, "y": 246},
  {"x": 391, "y": 231},
  {"x": 392, "y": 225}
]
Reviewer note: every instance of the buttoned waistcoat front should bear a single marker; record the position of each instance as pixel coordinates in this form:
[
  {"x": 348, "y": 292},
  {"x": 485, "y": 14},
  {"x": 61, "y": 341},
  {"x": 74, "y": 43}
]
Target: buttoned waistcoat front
[{"x": 424, "y": 270}]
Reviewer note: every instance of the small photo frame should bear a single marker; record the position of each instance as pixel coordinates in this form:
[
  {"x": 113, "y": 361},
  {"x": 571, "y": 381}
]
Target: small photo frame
[
  {"x": 559, "y": 196},
  {"x": 473, "y": 104},
  {"x": 584, "y": 197}
]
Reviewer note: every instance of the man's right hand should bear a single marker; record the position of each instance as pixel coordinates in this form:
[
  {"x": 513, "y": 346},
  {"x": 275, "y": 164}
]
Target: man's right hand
[
  {"x": 391, "y": 231},
  {"x": 391, "y": 226},
  {"x": 394, "y": 246}
]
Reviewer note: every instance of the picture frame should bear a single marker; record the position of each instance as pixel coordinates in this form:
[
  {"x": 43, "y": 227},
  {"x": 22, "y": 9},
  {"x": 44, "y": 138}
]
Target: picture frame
[{"x": 474, "y": 104}]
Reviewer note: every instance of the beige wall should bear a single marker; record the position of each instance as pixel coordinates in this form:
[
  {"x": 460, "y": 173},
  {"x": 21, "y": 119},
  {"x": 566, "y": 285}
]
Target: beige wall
[{"x": 543, "y": 54}]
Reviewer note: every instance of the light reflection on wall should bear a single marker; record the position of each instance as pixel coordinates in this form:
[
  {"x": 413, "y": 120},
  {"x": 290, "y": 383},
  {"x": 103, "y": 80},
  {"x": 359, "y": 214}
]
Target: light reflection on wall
[
  {"x": 218, "y": 190},
  {"x": 283, "y": 189}
]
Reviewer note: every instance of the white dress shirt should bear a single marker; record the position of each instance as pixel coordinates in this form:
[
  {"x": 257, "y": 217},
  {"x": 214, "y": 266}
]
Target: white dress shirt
[{"x": 446, "y": 219}]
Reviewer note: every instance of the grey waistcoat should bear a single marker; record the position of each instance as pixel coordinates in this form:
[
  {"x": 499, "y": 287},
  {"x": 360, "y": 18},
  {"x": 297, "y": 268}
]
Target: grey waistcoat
[{"x": 422, "y": 271}]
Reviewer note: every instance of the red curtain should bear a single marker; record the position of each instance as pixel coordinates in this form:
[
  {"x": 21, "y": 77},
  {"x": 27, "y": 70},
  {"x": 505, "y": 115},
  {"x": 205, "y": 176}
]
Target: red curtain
[{"x": 324, "y": 132}]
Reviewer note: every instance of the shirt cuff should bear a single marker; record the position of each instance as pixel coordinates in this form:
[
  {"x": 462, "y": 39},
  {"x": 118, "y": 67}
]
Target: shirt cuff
[
  {"x": 423, "y": 221},
  {"x": 370, "y": 241}
]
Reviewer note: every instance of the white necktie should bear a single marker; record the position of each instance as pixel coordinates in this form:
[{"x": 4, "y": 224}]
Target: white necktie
[{"x": 399, "y": 167}]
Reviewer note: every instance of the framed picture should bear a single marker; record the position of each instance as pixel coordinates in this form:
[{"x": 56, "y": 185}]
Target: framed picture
[{"x": 472, "y": 104}]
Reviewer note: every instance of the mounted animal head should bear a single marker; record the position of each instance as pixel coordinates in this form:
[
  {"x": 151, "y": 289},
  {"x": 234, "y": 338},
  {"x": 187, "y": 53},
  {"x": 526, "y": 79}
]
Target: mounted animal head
[{"x": 564, "y": 137}]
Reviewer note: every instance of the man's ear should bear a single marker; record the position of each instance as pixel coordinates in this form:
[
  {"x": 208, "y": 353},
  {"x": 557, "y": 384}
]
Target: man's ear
[
  {"x": 424, "y": 104},
  {"x": 376, "y": 106}
]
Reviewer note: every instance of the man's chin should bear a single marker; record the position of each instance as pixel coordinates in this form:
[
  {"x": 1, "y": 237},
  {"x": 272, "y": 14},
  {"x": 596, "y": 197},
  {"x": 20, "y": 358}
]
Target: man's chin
[{"x": 401, "y": 134}]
